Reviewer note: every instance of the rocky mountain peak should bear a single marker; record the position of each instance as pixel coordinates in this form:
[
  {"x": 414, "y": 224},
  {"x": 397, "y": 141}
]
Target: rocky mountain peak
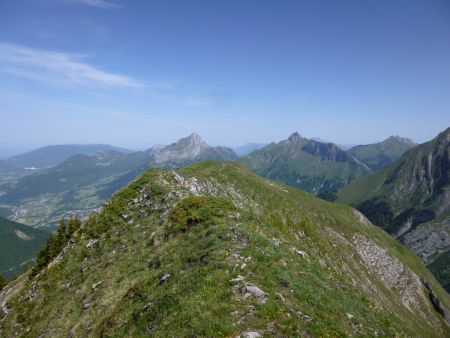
[
  {"x": 295, "y": 137},
  {"x": 185, "y": 148},
  {"x": 196, "y": 140}
]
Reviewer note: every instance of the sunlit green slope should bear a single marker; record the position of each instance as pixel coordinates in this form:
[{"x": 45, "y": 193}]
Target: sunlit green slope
[{"x": 214, "y": 250}]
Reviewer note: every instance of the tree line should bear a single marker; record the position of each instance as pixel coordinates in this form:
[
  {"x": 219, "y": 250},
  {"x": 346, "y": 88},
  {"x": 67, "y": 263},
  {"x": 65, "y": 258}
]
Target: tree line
[{"x": 55, "y": 243}]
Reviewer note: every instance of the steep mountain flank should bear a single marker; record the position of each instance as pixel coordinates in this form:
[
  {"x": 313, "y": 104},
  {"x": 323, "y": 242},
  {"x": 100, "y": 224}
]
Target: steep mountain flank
[
  {"x": 214, "y": 250},
  {"x": 411, "y": 200},
  {"x": 379, "y": 155},
  {"x": 18, "y": 245},
  {"x": 82, "y": 183},
  {"x": 307, "y": 164}
]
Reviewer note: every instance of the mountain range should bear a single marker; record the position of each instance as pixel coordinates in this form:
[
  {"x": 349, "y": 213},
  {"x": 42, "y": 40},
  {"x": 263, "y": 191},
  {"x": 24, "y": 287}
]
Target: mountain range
[
  {"x": 304, "y": 163},
  {"x": 214, "y": 250},
  {"x": 410, "y": 199},
  {"x": 50, "y": 156},
  {"x": 82, "y": 183}
]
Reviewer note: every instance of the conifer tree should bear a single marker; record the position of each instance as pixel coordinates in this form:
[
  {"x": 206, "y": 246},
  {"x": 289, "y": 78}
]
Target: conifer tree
[
  {"x": 74, "y": 225},
  {"x": 55, "y": 243},
  {"x": 61, "y": 236}
]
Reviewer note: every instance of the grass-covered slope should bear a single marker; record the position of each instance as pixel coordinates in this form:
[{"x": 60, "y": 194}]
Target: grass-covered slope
[
  {"x": 379, "y": 155},
  {"x": 306, "y": 164},
  {"x": 18, "y": 245},
  {"x": 214, "y": 250},
  {"x": 411, "y": 200}
]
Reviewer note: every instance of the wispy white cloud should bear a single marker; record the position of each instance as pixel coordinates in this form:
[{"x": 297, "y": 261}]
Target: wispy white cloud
[
  {"x": 57, "y": 67},
  {"x": 104, "y": 4}
]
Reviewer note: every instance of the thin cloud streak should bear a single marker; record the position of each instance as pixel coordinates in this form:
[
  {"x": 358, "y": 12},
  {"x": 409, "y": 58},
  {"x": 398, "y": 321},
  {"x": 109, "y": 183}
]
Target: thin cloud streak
[
  {"x": 57, "y": 67},
  {"x": 103, "y": 4}
]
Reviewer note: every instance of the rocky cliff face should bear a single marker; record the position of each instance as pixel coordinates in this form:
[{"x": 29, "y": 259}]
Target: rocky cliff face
[
  {"x": 213, "y": 250},
  {"x": 324, "y": 150},
  {"x": 421, "y": 179},
  {"x": 411, "y": 199},
  {"x": 428, "y": 242},
  {"x": 327, "y": 151}
]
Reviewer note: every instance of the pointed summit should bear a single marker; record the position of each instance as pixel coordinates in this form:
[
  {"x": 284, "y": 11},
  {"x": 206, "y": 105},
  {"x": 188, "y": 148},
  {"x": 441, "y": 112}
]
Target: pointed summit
[
  {"x": 185, "y": 148},
  {"x": 295, "y": 137},
  {"x": 192, "y": 144},
  {"x": 195, "y": 135},
  {"x": 189, "y": 149},
  {"x": 195, "y": 139}
]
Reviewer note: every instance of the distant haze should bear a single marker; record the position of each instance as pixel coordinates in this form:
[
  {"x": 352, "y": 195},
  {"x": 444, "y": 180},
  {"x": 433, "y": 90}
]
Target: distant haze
[{"x": 138, "y": 73}]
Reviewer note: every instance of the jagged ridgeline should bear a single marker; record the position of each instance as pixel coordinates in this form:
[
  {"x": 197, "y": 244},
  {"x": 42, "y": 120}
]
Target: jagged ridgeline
[{"x": 214, "y": 250}]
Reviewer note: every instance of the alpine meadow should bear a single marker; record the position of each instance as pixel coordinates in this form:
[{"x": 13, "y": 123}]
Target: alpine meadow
[{"x": 236, "y": 169}]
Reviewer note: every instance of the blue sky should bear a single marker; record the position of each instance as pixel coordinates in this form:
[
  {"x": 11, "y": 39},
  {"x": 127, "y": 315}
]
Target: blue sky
[{"x": 135, "y": 73}]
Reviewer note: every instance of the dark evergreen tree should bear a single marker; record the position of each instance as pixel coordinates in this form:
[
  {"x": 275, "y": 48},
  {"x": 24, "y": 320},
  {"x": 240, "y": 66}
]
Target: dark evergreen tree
[
  {"x": 55, "y": 243},
  {"x": 328, "y": 195},
  {"x": 61, "y": 236},
  {"x": 74, "y": 225}
]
